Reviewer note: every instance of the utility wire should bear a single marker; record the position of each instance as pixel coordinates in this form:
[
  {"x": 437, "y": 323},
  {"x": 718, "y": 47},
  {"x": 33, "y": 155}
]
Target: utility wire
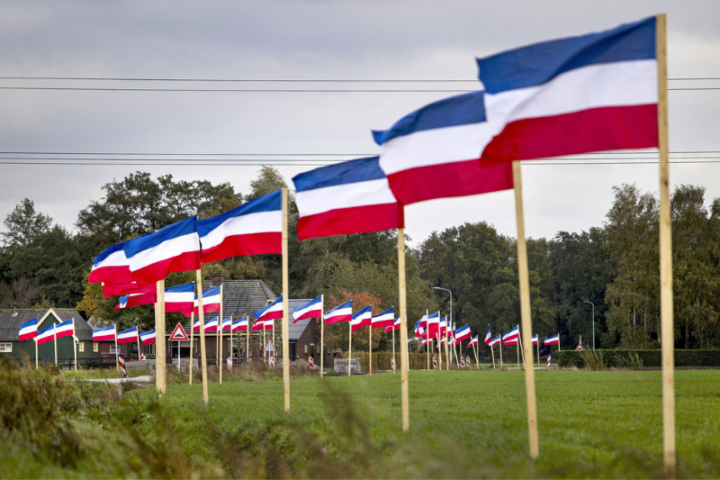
[
  {"x": 274, "y": 80},
  {"x": 265, "y": 90}
]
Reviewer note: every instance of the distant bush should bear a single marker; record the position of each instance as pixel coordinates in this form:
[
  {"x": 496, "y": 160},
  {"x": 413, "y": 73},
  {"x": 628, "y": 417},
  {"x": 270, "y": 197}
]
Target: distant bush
[{"x": 636, "y": 359}]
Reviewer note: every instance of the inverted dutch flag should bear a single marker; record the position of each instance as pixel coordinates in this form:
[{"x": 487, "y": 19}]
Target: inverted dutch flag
[
  {"x": 341, "y": 313},
  {"x": 65, "y": 329},
  {"x": 433, "y": 324},
  {"x": 253, "y": 228},
  {"x": 28, "y": 330},
  {"x": 263, "y": 325},
  {"x": 128, "y": 336},
  {"x": 495, "y": 341},
  {"x": 240, "y": 325},
  {"x": 211, "y": 302},
  {"x": 111, "y": 266},
  {"x": 434, "y": 152},
  {"x": 473, "y": 342},
  {"x": 311, "y": 309},
  {"x": 395, "y": 326},
  {"x": 271, "y": 312},
  {"x": 180, "y": 298},
  {"x": 105, "y": 334},
  {"x": 511, "y": 336},
  {"x": 427, "y": 341},
  {"x": 175, "y": 248},
  {"x": 211, "y": 325},
  {"x": 196, "y": 326},
  {"x": 535, "y": 339},
  {"x": 443, "y": 329},
  {"x": 488, "y": 336},
  {"x": 385, "y": 319},
  {"x": 346, "y": 198},
  {"x": 143, "y": 296},
  {"x": 119, "y": 289},
  {"x": 148, "y": 337},
  {"x": 46, "y": 334},
  {"x": 589, "y": 93},
  {"x": 422, "y": 322},
  {"x": 227, "y": 324},
  {"x": 463, "y": 333},
  {"x": 554, "y": 340},
  {"x": 361, "y": 318}
]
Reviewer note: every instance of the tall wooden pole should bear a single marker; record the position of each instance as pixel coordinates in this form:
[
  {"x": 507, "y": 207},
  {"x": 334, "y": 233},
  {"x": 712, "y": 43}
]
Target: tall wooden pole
[
  {"x": 404, "y": 357},
  {"x": 392, "y": 364},
  {"x": 427, "y": 334},
  {"x": 370, "y": 346},
  {"x": 247, "y": 340},
  {"x": 501, "y": 342},
  {"x": 75, "y": 342},
  {"x": 138, "y": 340},
  {"x": 349, "y": 346},
  {"x": 192, "y": 343},
  {"x": 322, "y": 336},
  {"x": 201, "y": 316},
  {"x": 117, "y": 356},
  {"x": 525, "y": 311},
  {"x": 477, "y": 358},
  {"x": 666, "y": 286},
  {"x": 220, "y": 321},
  {"x": 286, "y": 288},
  {"x": 160, "y": 341},
  {"x": 522, "y": 351},
  {"x": 37, "y": 360},
  {"x": 537, "y": 345},
  {"x": 55, "y": 342},
  {"x": 492, "y": 352}
]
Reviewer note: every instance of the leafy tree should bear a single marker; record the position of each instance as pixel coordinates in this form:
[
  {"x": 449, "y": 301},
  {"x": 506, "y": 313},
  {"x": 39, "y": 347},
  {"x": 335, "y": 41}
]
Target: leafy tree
[{"x": 24, "y": 224}]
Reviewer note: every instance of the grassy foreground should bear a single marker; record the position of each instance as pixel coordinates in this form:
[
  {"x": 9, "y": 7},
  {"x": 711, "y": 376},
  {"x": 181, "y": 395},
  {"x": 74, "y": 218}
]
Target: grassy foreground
[{"x": 464, "y": 424}]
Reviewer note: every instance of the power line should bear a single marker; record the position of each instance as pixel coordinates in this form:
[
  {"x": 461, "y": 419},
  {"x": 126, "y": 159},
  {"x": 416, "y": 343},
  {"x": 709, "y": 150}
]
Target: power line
[
  {"x": 276, "y": 80},
  {"x": 265, "y": 90}
]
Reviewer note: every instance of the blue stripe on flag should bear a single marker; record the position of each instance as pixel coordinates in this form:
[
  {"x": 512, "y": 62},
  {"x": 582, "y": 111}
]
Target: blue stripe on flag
[
  {"x": 149, "y": 332},
  {"x": 209, "y": 293},
  {"x": 104, "y": 329},
  {"x": 145, "y": 242},
  {"x": 340, "y": 307},
  {"x": 363, "y": 311},
  {"x": 449, "y": 112},
  {"x": 29, "y": 323},
  {"x": 187, "y": 287},
  {"x": 308, "y": 304},
  {"x": 536, "y": 64},
  {"x": 129, "y": 330},
  {"x": 267, "y": 203},
  {"x": 108, "y": 251},
  {"x": 352, "y": 171}
]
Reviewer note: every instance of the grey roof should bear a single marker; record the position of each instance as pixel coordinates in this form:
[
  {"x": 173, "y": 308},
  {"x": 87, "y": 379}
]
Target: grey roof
[
  {"x": 296, "y": 329},
  {"x": 10, "y": 325}
]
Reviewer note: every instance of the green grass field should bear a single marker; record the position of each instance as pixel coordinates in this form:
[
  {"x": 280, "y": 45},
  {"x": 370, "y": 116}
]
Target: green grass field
[
  {"x": 464, "y": 424},
  {"x": 474, "y": 424}
]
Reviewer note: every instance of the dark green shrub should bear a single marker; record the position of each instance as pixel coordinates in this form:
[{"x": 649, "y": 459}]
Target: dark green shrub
[{"x": 647, "y": 358}]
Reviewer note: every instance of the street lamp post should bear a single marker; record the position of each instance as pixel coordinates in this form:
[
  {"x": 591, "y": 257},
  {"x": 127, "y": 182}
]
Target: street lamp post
[
  {"x": 593, "y": 321},
  {"x": 440, "y": 288}
]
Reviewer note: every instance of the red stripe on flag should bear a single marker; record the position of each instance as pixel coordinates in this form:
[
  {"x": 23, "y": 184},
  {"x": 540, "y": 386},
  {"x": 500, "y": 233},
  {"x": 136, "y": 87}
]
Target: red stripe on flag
[
  {"x": 446, "y": 180},
  {"x": 593, "y": 130},
  {"x": 346, "y": 221},
  {"x": 241, "y": 245}
]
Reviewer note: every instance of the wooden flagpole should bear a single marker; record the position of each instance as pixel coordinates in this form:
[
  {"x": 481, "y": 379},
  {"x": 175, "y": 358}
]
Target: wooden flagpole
[
  {"x": 537, "y": 345},
  {"x": 322, "y": 335},
  {"x": 522, "y": 351},
  {"x": 37, "y": 360},
  {"x": 393, "y": 344},
  {"x": 370, "y": 345},
  {"x": 138, "y": 340},
  {"x": 55, "y": 342},
  {"x": 247, "y": 340},
  {"x": 220, "y": 326},
  {"x": 192, "y": 342},
  {"x": 349, "y": 346},
  {"x": 427, "y": 335},
  {"x": 439, "y": 347},
  {"x": 117, "y": 361},
  {"x": 404, "y": 357},
  {"x": 501, "y": 342},
  {"x": 666, "y": 286},
  {"x": 517, "y": 352},
  {"x": 525, "y": 311},
  {"x": 160, "y": 341},
  {"x": 265, "y": 354},
  {"x": 447, "y": 350},
  {"x": 75, "y": 342},
  {"x": 201, "y": 316},
  {"x": 492, "y": 352},
  {"x": 285, "y": 286}
]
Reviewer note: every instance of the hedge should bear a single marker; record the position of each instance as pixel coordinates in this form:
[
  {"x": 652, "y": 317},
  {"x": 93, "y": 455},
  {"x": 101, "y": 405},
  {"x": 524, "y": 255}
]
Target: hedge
[
  {"x": 381, "y": 360},
  {"x": 650, "y": 358}
]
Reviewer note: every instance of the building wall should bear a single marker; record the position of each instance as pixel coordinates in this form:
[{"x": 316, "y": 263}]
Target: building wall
[{"x": 309, "y": 345}]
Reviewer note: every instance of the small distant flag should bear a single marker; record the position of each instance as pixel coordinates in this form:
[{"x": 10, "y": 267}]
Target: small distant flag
[
  {"x": 361, "y": 318},
  {"x": 341, "y": 313},
  {"x": 211, "y": 302},
  {"x": 463, "y": 333},
  {"x": 511, "y": 336},
  {"x": 311, "y": 309},
  {"x": 180, "y": 298},
  {"x": 385, "y": 319},
  {"x": 227, "y": 325},
  {"x": 46, "y": 334},
  {"x": 473, "y": 342},
  {"x": 142, "y": 296},
  {"x": 240, "y": 325},
  {"x": 128, "y": 336},
  {"x": 105, "y": 334},
  {"x": 554, "y": 340},
  {"x": 65, "y": 329},
  {"x": 111, "y": 266},
  {"x": 212, "y": 325},
  {"x": 271, "y": 312},
  {"x": 395, "y": 326},
  {"x": 28, "y": 330},
  {"x": 148, "y": 337},
  {"x": 495, "y": 341},
  {"x": 488, "y": 336},
  {"x": 535, "y": 339}
]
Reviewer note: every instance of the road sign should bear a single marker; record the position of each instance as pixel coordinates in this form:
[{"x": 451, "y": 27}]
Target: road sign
[
  {"x": 272, "y": 362},
  {"x": 392, "y": 362},
  {"x": 179, "y": 335},
  {"x": 269, "y": 347},
  {"x": 435, "y": 363},
  {"x": 462, "y": 362},
  {"x": 311, "y": 362}
]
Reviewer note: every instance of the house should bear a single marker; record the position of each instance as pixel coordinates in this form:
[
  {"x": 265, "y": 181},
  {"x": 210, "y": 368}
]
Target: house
[
  {"x": 10, "y": 321},
  {"x": 304, "y": 338}
]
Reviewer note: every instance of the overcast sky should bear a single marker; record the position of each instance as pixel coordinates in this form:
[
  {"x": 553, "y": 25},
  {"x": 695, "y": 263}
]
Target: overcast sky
[{"x": 314, "y": 39}]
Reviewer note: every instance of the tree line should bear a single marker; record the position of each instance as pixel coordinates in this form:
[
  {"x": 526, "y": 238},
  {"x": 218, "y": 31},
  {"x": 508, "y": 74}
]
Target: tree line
[{"x": 613, "y": 266}]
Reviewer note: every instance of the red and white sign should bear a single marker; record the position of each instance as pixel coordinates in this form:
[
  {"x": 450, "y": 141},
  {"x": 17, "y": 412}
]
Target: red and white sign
[
  {"x": 462, "y": 362},
  {"x": 272, "y": 362},
  {"x": 392, "y": 363},
  {"x": 549, "y": 361},
  {"x": 311, "y": 362},
  {"x": 467, "y": 362},
  {"x": 142, "y": 356},
  {"x": 434, "y": 363},
  {"x": 179, "y": 335},
  {"x": 121, "y": 362},
  {"x": 229, "y": 363}
]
